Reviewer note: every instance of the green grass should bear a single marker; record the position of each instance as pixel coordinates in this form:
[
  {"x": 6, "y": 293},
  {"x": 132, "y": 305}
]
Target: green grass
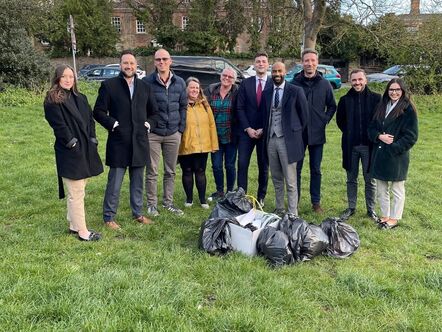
[{"x": 155, "y": 278}]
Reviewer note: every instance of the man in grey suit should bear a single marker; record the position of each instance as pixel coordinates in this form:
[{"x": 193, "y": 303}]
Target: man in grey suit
[{"x": 285, "y": 116}]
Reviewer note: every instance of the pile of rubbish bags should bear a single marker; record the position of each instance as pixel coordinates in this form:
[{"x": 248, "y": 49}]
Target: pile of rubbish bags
[{"x": 281, "y": 241}]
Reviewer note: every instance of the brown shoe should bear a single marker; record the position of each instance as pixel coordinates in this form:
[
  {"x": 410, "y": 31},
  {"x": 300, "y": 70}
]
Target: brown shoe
[
  {"x": 144, "y": 220},
  {"x": 112, "y": 225},
  {"x": 317, "y": 208}
]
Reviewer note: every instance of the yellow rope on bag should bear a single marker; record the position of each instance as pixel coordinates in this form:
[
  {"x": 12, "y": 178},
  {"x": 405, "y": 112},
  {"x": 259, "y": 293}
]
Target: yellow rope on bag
[{"x": 255, "y": 202}]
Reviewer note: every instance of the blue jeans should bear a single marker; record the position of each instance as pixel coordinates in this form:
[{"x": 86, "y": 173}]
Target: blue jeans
[
  {"x": 315, "y": 152},
  {"x": 113, "y": 187},
  {"x": 228, "y": 153}
]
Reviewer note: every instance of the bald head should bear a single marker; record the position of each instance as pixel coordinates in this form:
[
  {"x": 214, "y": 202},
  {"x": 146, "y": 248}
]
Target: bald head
[
  {"x": 278, "y": 73},
  {"x": 162, "y": 61}
]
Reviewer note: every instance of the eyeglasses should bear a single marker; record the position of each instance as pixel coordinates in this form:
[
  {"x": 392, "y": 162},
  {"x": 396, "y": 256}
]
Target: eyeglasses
[
  {"x": 228, "y": 76},
  {"x": 161, "y": 59},
  {"x": 394, "y": 90}
]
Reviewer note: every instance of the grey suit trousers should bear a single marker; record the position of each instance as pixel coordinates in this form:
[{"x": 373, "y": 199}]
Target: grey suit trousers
[{"x": 282, "y": 173}]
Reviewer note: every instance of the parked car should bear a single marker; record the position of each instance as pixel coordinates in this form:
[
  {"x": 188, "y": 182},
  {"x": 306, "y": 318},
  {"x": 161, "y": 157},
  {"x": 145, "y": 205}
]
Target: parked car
[
  {"x": 206, "y": 68},
  {"x": 250, "y": 71},
  {"x": 392, "y": 72},
  {"x": 86, "y": 68},
  {"x": 140, "y": 72},
  {"x": 100, "y": 73},
  {"x": 328, "y": 72}
]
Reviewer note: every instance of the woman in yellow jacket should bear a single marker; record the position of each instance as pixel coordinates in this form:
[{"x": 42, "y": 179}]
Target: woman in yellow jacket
[{"x": 199, "y": 138}]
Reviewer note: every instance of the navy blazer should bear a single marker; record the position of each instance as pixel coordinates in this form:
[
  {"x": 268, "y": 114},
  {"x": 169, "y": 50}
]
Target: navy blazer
[
  {"x": 247, "y": 108},
  {"x": 294, "y": 119}
]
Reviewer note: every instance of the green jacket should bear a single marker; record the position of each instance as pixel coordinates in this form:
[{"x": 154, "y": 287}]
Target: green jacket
[{"x": 390, "y": 162}]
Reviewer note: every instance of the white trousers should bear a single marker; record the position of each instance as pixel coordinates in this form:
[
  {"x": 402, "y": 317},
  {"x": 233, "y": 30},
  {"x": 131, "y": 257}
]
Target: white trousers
[
  {"x": 75, "y": 204},
  {"x": 397, "y": 189}
]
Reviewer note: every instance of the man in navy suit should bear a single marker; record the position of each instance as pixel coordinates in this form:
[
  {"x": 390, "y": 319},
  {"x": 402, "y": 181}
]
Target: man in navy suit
[
  {"x": 285, "y": 112},
  {"x": 251, "y": 125}
]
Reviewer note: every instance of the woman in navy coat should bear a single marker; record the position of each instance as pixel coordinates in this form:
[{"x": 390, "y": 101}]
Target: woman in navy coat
[
  {"x": 70, "y": 116},
  {"x": 394, "y": 130}
]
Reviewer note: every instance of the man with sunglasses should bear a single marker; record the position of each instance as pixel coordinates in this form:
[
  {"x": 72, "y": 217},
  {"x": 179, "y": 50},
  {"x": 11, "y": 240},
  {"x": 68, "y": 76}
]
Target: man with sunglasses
[
  {"x": 170, "y": 94},
  {"x": 222, "y": 99}
]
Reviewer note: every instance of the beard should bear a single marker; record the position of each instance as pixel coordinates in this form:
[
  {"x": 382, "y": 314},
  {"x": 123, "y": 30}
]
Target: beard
[
  {"x": 128, "y": 74},
  {"x": 278, "y": 79}
]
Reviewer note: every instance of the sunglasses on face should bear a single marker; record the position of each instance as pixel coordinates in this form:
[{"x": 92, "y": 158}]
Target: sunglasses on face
[{"x": 161, "y": 59}]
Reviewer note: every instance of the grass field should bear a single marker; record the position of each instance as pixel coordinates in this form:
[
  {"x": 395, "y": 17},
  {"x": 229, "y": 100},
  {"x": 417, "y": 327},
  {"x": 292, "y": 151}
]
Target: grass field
[{"x": 155, "y": 278}]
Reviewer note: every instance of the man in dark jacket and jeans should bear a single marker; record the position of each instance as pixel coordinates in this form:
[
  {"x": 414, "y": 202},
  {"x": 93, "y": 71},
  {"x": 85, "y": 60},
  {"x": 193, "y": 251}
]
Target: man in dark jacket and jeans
[
  {"x": 355, "y": 111},
  {"x": 126, "y": 107},
  {"x": 171, "y": 97},
  {"x": 322, "y": 107}
]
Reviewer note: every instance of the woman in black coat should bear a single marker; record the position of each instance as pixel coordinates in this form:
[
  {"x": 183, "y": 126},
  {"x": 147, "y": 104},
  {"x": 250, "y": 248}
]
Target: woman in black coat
[
  {"x": 393, "y": 131},
  {"x": 70, "y": 116}
]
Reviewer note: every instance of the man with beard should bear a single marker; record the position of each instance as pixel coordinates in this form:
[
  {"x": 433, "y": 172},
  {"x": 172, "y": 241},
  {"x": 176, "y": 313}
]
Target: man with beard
[
  {"x": 250, "y": 126},
  {"x": 322, "y": 107},
  {"x": 355, "y": 111},
  {"x": 285, "y": 116},
  {"x": 126, "y": 107}
]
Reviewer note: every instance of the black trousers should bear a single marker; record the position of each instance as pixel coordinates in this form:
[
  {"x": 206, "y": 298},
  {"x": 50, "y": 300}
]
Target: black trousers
[
  {"x": 245, "y": 150},
  {"x": 194, "y": 166}
]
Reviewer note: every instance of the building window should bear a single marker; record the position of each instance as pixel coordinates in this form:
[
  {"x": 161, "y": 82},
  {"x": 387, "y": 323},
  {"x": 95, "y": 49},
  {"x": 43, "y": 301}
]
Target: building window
[
  {"x": 140, "y": 27},
  {"x": 184, "y": 22},
  {"x": 116, "y": 22}
]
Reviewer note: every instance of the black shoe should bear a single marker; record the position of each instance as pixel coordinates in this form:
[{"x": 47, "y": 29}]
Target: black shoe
[
  {"x": 92, "y": 237},
  {"x": 374, "y": 216},
  {"x": 347, "y": 213},
  {"x": 261, "y": 202},
  {"x": 279, "y": 212}
]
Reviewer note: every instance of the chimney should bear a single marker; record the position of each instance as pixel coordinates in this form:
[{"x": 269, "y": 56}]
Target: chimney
[{"x": 415, "y": 7}]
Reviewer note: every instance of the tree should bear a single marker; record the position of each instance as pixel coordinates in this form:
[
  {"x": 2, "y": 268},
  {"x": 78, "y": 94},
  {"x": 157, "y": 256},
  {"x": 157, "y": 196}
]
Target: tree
[
  {"x": 232, "y": 24},
  {"x": 20, "y": 64},
  {"x": 93, "y": 29},
  {"x": 284, "y": 20},
  {"x": 158, "y": 17},
  {"x": 202, "y": 35}
]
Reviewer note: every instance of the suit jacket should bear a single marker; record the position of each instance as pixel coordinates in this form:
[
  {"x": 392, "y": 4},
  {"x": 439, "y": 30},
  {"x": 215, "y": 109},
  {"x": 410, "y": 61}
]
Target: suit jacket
[
  {"x": 127, "y": 144},
  {"x": 75, "y": 144},
  {"x": 247, "y": 109},
  {"x": 294, "y": 119}
]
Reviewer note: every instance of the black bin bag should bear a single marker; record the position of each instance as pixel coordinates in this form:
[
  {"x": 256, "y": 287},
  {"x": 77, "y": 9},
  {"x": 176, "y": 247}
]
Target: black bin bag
[
  {"x": 274, "y": 246},
  {"x": 215, "y": 236},
  {"x": 315, "y": 242},
  {"x": 306, "y": 240},
  {"x": 343, "y": 239},
  {"x": 234, "y": 204}
]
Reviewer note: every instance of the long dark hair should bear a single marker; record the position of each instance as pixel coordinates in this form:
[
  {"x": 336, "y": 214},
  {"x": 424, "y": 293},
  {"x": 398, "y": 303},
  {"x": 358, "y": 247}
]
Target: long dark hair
[
  {"x": 56, "y": 93},
  {"x": 403, "y": 103}
]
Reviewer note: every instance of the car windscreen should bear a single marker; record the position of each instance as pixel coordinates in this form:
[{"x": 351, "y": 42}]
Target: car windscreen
[{"x": 392, "y": 70}]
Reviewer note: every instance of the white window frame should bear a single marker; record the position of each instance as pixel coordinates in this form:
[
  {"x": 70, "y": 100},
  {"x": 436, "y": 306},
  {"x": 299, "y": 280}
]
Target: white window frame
[
  {"x": 184, "y": 22},
  {"x": 116, "y": 23},
  {"x": 140, "y": 27}
]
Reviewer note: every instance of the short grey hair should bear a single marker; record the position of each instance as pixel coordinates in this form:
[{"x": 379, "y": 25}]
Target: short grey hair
[{"x": 235, "y": 74}]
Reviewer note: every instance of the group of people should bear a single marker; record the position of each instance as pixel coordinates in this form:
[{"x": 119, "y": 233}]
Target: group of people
[{"x": 162, "y": 115}]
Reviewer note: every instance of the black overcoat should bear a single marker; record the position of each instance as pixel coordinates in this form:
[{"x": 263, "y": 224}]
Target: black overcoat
[
  {"x": 321, "y": 103},
  {"x": 390, "y": 162},
  {"x": 127, "y": 144},
  {"x": 75, "y": 145},
  {"x": 366, "y": 101},
  {"x": 294, "y": 120}
]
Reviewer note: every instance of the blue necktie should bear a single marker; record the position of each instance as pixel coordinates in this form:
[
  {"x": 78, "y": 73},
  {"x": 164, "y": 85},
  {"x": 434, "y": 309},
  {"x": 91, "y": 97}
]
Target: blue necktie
[{"x": 276, "y": 97}]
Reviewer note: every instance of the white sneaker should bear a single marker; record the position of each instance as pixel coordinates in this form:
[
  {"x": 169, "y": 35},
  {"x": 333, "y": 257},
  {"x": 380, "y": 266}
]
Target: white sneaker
[
  {"x": 205, "y": 206},
  {"x": 152, "y": 211},
  {"x": 188, "y": 204}
]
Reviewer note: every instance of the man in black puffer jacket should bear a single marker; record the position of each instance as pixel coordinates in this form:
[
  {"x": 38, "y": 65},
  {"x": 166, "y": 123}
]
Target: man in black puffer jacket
[
  {"x": 322, "y": 107},
  {"x": 171, "y": 97}
]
